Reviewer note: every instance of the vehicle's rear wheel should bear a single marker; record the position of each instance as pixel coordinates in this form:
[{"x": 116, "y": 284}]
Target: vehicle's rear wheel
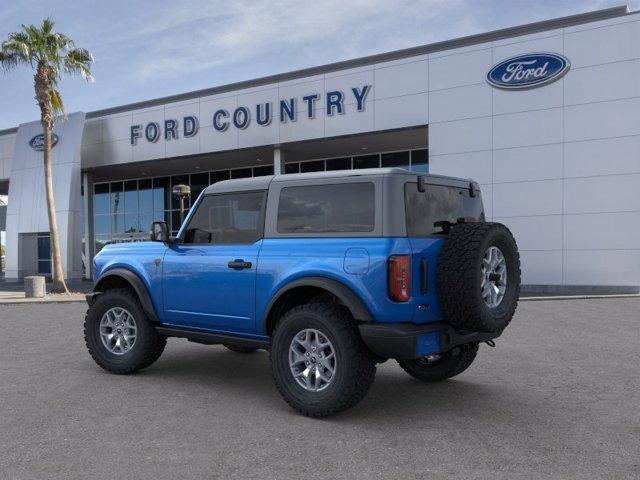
[
  {"x": 478, "y": 277},
  {"x": 239, "y": 349},
  {"x": 435, "y": 368},
  {"x": 318, "y": 360},
  {"x": 119, "y": 335}
]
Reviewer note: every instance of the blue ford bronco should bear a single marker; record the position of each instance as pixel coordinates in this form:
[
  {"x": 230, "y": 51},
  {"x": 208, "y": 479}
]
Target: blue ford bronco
[{"x": 331, "y": 272}]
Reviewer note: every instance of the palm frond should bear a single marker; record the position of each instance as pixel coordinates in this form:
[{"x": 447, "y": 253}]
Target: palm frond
[
  {"x": 8, "y": 60},
  {"x": 56, "y": 102},
  {"x": 16, "y": 49},
  {"x": 63, "y": 42},
  {"x": 20, "y": 42},
  {"x": 78, "y": 61},
  {"x": 49, "y": 53},
  {"x": 47, "y": 25}
]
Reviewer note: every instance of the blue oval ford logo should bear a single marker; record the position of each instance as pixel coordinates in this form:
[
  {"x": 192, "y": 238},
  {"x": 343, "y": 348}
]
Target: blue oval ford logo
[
  {"x": 37, "y": 142},
  {"x": 528, "y": 71}
]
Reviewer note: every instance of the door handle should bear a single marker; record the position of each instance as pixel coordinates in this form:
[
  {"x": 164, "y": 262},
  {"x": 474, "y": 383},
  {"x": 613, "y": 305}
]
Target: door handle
[{"x": 239, "y": 264}]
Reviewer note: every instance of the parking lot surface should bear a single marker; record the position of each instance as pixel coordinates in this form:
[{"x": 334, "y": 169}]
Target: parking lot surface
[{"x": 559, "y": 397}]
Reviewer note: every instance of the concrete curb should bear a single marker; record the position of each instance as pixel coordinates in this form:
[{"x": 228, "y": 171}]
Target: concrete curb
[
  {"x": 578, "y": 297},
  {"x": 30, "y": 301}
]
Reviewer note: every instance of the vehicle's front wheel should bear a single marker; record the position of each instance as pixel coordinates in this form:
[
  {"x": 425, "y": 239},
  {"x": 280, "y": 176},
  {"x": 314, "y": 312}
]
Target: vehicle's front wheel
[
  {"x": 435, "y": 368},
  {"x": 318, "y": 360},
  {"x": 119, "y": 335}
]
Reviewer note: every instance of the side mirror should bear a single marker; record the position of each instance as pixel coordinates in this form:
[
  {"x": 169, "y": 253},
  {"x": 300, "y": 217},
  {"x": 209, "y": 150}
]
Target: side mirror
[{"x": 159, "y": 232}]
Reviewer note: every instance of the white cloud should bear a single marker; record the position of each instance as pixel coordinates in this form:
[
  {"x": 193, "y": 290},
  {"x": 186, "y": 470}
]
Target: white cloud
[{"x": 200, "y": 35}]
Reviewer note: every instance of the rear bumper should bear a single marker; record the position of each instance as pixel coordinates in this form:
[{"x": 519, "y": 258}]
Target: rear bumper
[{"x": 407, "y": 340}]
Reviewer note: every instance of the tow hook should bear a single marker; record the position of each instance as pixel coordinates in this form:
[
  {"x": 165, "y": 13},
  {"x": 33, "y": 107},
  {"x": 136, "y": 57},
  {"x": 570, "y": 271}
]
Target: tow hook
[{"x": 491, "y": 343}]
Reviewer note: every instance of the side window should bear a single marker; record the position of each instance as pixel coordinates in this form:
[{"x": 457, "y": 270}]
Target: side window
[
  {"x": 228, "y": 219},
  {"x": 338, "y": 208}
]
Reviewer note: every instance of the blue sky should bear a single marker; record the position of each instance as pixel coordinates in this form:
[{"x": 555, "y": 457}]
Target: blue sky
[{"x": 148, "y": 49}]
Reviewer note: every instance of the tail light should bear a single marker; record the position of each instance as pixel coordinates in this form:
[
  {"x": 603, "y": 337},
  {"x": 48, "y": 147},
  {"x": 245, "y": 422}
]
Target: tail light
[{"x": 399, "y": 278}]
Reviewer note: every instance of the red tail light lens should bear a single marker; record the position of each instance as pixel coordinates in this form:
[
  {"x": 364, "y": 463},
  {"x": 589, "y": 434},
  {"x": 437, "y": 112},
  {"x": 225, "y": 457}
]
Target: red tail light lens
[{"x": 399, "y": 278}]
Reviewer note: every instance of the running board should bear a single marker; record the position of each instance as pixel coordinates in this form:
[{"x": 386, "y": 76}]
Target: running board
[{"x": 207, "y": 338}]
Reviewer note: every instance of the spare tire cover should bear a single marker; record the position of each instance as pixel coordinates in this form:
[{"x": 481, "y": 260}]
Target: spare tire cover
[{"x": 478, "y": 277}]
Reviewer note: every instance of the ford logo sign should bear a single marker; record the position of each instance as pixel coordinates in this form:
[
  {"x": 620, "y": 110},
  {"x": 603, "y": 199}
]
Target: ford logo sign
[
  {"x": 528, "y": 71},
  {"x": 37, "y": 142}
]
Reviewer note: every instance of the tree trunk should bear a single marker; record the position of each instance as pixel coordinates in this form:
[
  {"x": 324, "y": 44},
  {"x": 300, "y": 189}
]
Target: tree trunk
[
  {"x": 59, "y": 286},
  {"x": 46, "y": 118}
]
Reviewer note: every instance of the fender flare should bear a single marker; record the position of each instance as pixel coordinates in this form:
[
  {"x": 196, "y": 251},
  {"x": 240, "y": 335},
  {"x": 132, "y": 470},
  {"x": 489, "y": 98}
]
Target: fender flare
[
  {"x": 345, "y": 294},
  {"x": 137, "y": 284}
]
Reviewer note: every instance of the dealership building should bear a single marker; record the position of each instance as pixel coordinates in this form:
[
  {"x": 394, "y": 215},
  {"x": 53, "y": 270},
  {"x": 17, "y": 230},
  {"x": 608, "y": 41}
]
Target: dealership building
[{"x": 544, "y": 116}]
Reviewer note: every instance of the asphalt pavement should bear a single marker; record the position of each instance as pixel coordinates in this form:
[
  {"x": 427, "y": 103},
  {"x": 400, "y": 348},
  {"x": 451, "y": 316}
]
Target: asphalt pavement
[{"x": 559, "y": 397}]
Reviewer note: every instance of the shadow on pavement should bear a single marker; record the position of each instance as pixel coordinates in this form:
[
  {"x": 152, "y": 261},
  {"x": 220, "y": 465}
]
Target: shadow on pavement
[{"x": 394, "y": 394}]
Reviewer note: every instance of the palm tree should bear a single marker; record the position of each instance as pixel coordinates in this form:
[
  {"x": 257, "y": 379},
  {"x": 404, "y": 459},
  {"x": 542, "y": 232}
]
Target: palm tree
[{"x": 49, "y": 54}]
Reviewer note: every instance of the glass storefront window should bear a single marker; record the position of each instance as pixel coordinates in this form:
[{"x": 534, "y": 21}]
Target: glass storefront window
[
  {"x": 420, "y": 161},
  {"x": 131, "y": 196},
  {"x": 396, "y": 159},
  {"x": 312, "y": 166},
  {"x": 101, "y": 198},
  {"x": 116, "y": 197},
  {"x": 241, "y": 173},
  {"x": 218, "y": 176},
  {"x": 161, "y": 194},
  {"x": 366, "y": 161},
  {"x": 339, "y": 164},
  {"x": 292, "y": 168},
  {"x": 102, "y": 225},
  {"x": 146, "y": 218},
  {"x": 131, "y": 223},
  {"x": 117, "y": 223},
  {"x": 199, "y": 181},
  {"x": 145, "y": 195},
  {"x": 263, "y": 170},
  {"x": 176, "y": 221}
]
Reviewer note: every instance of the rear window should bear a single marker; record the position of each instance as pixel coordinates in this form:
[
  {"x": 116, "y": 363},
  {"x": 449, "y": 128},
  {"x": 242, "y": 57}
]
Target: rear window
[
  {"x": 438, "y": 203},
  {"x": 339, "y": 208}
]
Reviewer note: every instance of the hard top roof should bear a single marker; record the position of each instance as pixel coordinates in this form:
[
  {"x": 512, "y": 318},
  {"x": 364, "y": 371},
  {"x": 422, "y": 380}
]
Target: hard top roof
[{"x": 262, "y": 183}]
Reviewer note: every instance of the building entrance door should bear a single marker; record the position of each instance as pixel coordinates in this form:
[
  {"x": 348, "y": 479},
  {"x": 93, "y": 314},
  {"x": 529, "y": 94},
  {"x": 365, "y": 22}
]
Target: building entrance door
[{"x": 44, "y": 253}]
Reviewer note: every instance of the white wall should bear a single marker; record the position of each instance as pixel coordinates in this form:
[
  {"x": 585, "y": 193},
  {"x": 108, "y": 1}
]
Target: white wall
[
  {"x": 398, "y": 98},
  {"x": 27, "y": 209},
  {"x": 6, "y": 153},
  {"x": 559, "y": 164}
]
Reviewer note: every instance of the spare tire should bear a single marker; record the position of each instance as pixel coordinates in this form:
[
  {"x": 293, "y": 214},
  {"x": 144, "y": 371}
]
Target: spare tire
[{"x": 478, "y": 277}]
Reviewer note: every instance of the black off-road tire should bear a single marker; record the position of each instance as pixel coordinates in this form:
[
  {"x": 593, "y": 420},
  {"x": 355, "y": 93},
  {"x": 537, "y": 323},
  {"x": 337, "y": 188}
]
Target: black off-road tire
[
  {"x": 239, "y": 349},
  {"x": 148, "y": 346},
  {"x": 355, "y": 365},
  {"x": 448, "y": 365},
  {"x": 459, "y": 277}
]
